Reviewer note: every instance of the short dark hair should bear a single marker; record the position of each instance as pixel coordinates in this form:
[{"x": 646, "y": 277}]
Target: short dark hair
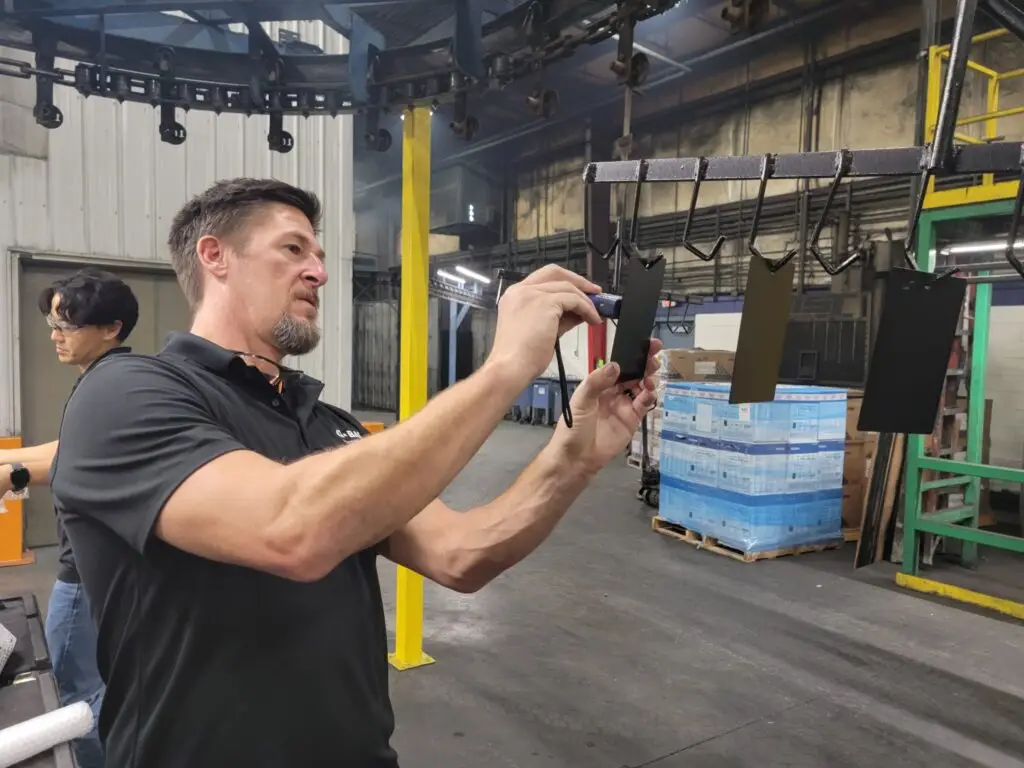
[
  {"x": 93, "y": 297},
  {"x": 221, "y": 211}
]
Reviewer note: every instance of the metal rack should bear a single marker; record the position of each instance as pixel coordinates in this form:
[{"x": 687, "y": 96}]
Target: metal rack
[
  {"x": 940, "y": 159},
  {"x": 959, "y": 522}
]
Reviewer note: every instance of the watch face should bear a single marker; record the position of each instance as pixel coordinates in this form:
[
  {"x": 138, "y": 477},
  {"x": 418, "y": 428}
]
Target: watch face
[{"x": 19, "y": 478}]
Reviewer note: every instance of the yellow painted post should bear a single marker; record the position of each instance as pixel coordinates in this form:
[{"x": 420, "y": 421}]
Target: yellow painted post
[{"x": 412, "y": 387}]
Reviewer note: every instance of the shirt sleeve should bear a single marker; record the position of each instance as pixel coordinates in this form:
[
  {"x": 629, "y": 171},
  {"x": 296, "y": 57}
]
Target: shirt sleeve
[{"x": 134, "y": 429}]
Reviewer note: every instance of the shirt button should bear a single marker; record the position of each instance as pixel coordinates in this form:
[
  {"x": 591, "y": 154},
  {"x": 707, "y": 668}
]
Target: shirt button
[{"x": 276, "y": 402}]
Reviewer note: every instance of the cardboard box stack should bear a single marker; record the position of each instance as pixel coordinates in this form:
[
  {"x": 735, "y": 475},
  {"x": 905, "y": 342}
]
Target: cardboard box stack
[
  {"x": 757, "y": 477},
  {"x": 679, "y": 365},
  {"x": 860, "y": 450}
]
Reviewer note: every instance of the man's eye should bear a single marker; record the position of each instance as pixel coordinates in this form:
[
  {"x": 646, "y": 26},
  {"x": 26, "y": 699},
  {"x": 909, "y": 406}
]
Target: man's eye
[{"x": 295, "y": 249}]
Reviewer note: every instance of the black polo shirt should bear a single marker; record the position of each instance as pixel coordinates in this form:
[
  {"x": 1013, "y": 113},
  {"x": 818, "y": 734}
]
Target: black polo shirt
[
  {"x": 207, "y": 664},
  {"x": 68, "y": 571}
]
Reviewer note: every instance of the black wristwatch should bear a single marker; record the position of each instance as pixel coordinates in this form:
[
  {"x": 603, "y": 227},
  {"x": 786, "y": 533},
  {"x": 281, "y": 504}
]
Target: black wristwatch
[{"x": 20, "y": 477}]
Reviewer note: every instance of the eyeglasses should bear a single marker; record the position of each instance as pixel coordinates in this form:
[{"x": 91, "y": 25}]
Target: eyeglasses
[{"x": 60, "y": 325}]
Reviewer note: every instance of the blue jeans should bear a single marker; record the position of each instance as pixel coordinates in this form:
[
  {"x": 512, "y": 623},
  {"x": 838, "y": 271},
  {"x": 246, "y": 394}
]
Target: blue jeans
[{"x": 71, "y": 638}]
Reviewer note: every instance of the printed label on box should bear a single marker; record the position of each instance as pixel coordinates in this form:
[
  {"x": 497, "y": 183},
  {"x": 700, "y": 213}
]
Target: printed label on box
[{"x": 704, "y": 419}]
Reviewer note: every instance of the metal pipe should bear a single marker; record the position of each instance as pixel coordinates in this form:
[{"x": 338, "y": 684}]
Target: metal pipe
[
  {"x": 929, "y": 37},
  {"x": 942, "y": 147},
  {"x": 1005, "y": 278},
  {"x": 1006, "y": 15},
  {"x": 981, "y": 266}
]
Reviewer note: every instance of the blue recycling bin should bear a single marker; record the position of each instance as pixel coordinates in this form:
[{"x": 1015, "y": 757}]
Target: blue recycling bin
[
  {"x": 521, "y": 408},
  {"x": 542, "y": 401}
]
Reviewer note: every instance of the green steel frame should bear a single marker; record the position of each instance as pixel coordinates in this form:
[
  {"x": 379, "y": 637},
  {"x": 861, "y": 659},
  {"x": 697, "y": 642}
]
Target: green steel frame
[{"x": 961, "y": 522}]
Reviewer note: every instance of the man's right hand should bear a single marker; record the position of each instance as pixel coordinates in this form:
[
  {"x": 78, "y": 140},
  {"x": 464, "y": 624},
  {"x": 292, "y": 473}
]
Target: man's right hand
[{"x": 535, "y": 312}]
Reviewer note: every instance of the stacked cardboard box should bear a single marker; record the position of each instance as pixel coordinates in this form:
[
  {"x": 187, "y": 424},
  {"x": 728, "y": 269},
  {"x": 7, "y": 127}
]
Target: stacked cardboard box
[
  {"x": 679, "y": 365},
  {"x": 758, "y": 477},
  {"x": 860, "y": 450}
]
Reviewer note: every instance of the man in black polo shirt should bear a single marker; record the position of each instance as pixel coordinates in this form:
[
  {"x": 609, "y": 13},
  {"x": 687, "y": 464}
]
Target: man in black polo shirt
[
  {"x": 90, "y": 314},
  {"x": 227, "y": 523}
]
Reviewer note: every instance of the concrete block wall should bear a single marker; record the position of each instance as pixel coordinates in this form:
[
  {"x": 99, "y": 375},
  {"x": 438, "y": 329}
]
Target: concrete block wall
[{"x": 1005, "y": 385}]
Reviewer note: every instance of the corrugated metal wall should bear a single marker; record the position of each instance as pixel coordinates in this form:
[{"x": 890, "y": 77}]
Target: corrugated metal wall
[
  {"x": 376, "y": 350},
  {"x": 375, "y": 356},
  {"x": 104, "y": 186}
]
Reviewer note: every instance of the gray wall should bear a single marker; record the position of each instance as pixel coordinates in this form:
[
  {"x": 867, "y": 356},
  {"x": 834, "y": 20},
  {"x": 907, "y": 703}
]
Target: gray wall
[{"x": 104, "y": 186}]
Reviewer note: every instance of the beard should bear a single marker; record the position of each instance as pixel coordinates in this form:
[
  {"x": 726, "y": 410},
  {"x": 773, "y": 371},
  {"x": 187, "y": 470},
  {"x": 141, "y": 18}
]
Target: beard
[{"x": 295, "y": 337}]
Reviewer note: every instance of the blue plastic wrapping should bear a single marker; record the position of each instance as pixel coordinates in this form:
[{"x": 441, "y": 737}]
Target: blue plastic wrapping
[{"x": 757, "y": 477}]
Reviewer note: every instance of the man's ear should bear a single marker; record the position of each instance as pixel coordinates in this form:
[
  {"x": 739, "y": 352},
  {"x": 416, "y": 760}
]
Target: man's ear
[
  {"x": 210, "y": 251},
  {"x": 110, "y": 331}
]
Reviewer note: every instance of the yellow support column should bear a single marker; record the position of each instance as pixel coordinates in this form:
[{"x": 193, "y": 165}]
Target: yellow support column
[{"x": 412, "y": 388}]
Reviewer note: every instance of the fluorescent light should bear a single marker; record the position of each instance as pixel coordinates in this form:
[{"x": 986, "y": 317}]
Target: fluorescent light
[
  {"x": 450, "y": 276},
  {"x": 979, "y": 247},
  {"x": 473, "y": 275}
]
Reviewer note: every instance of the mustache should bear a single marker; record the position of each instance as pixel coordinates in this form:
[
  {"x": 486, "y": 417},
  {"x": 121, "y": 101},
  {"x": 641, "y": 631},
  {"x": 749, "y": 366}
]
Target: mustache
[{"x": 311, "y": 296}]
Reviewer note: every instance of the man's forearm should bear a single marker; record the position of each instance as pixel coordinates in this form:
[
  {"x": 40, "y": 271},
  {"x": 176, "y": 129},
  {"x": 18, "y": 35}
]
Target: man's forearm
[
  {"x": 496, "y": 536},
  {"x": 37, "y": 459},
  {"x": 342, "y": 501}
]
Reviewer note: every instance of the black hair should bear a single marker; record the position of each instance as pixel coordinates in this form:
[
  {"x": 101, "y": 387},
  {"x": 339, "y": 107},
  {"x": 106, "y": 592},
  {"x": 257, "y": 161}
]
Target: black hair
[
  {"x": 93, "y": 297},
  {"x": 223, "y": 210}
]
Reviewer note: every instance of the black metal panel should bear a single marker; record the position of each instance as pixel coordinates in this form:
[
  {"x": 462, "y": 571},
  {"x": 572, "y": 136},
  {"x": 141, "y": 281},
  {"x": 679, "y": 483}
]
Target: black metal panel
[{"x": 829, "y": 352}]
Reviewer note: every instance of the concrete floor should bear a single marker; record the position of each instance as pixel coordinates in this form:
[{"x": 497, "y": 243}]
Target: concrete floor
[{"x": 613, "y": 647}]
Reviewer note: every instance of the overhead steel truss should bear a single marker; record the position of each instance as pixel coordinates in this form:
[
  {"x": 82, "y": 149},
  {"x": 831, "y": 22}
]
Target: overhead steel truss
[
  {"x": 132, "y": 50},
  {"x": 941, "y": 158}
]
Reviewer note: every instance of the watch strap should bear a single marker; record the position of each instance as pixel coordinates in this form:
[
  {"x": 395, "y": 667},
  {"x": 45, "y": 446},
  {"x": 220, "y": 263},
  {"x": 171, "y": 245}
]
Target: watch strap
[{"x": 20, "y": 477}]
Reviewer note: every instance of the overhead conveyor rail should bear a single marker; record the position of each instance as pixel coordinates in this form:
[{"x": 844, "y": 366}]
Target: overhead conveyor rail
[{"x": 130, "y": 50}]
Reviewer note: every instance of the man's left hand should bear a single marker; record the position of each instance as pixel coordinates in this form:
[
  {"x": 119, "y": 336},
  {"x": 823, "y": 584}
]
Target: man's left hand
[{"x": 606, "y": 415}]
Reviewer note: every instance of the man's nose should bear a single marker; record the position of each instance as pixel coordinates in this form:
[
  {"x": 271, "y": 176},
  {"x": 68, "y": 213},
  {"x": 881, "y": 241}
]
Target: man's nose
[
  {"x": 316, "y": 275},
  {"x": 54, "y": 334}
]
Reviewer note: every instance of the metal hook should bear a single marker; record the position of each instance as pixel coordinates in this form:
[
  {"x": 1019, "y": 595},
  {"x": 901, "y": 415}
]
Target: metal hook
[
  {"x": 767, "y": 169},
  {"x": 843, "y": 160},
  {"x": 630, "y": 246},
  {"x": 698, "y": 176},
  {"x": 588, "y": 178}
]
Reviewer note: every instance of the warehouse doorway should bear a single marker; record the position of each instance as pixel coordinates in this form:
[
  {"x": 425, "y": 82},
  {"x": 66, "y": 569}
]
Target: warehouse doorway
[{"x": 45, "y": 383}]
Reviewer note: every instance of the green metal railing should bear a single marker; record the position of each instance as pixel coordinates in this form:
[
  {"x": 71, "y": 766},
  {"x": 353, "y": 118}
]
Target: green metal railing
[{"x": 960, "y": 522}]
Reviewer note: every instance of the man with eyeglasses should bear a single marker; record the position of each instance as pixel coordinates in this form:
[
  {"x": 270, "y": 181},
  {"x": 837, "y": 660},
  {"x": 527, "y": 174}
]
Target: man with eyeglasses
[{"x": 90, "y": 315}]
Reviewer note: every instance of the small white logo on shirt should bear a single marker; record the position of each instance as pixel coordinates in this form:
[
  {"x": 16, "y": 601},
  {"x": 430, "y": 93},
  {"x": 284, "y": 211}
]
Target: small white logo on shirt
[{"x": 347, "y": 434}]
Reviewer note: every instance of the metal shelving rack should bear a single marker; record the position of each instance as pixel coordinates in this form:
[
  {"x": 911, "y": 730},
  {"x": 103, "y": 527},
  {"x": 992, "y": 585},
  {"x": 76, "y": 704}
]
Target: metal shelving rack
[
  {"x": 958, "y": 522},
  {"x": 926, "y": 517}
]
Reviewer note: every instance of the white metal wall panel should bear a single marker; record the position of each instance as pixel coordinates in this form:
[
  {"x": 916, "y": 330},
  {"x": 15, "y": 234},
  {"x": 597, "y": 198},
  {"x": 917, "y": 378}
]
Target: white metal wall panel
[
  {"x": 717, "y": 331},
  {"x": 108, "y": 188}
]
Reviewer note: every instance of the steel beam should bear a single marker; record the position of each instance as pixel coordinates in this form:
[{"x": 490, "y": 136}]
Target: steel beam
[
  {"x": 293, "y": 10},
  {"x": 905, "y": 161}
]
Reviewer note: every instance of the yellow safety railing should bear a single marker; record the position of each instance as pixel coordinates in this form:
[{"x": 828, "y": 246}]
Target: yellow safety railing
[{"x": 988, "y": 190}]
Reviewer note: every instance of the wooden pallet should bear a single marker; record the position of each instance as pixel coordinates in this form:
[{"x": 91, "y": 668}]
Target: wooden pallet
[{"x": 711, "y": 544}]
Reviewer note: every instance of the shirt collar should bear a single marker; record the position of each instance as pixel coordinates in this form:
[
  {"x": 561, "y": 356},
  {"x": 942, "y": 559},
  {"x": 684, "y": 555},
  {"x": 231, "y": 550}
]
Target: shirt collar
[
  {"x": 110, "y": 352},
  {"x": 303, "y": 391}
]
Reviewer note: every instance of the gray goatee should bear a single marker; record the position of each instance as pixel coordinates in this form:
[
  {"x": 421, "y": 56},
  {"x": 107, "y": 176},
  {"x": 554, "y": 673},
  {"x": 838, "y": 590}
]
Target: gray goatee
[{"x": 295, "y": 337}]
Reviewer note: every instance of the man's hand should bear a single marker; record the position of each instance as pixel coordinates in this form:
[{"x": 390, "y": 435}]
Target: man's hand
[
  {"x": 5, "y": 479},
  {"x": 605, "y": 415},
  {"x": 534, "y": 313}
]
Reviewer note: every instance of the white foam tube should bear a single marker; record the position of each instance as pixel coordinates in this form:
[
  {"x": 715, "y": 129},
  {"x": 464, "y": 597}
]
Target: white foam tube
[{"x": 24, "y": 740}]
